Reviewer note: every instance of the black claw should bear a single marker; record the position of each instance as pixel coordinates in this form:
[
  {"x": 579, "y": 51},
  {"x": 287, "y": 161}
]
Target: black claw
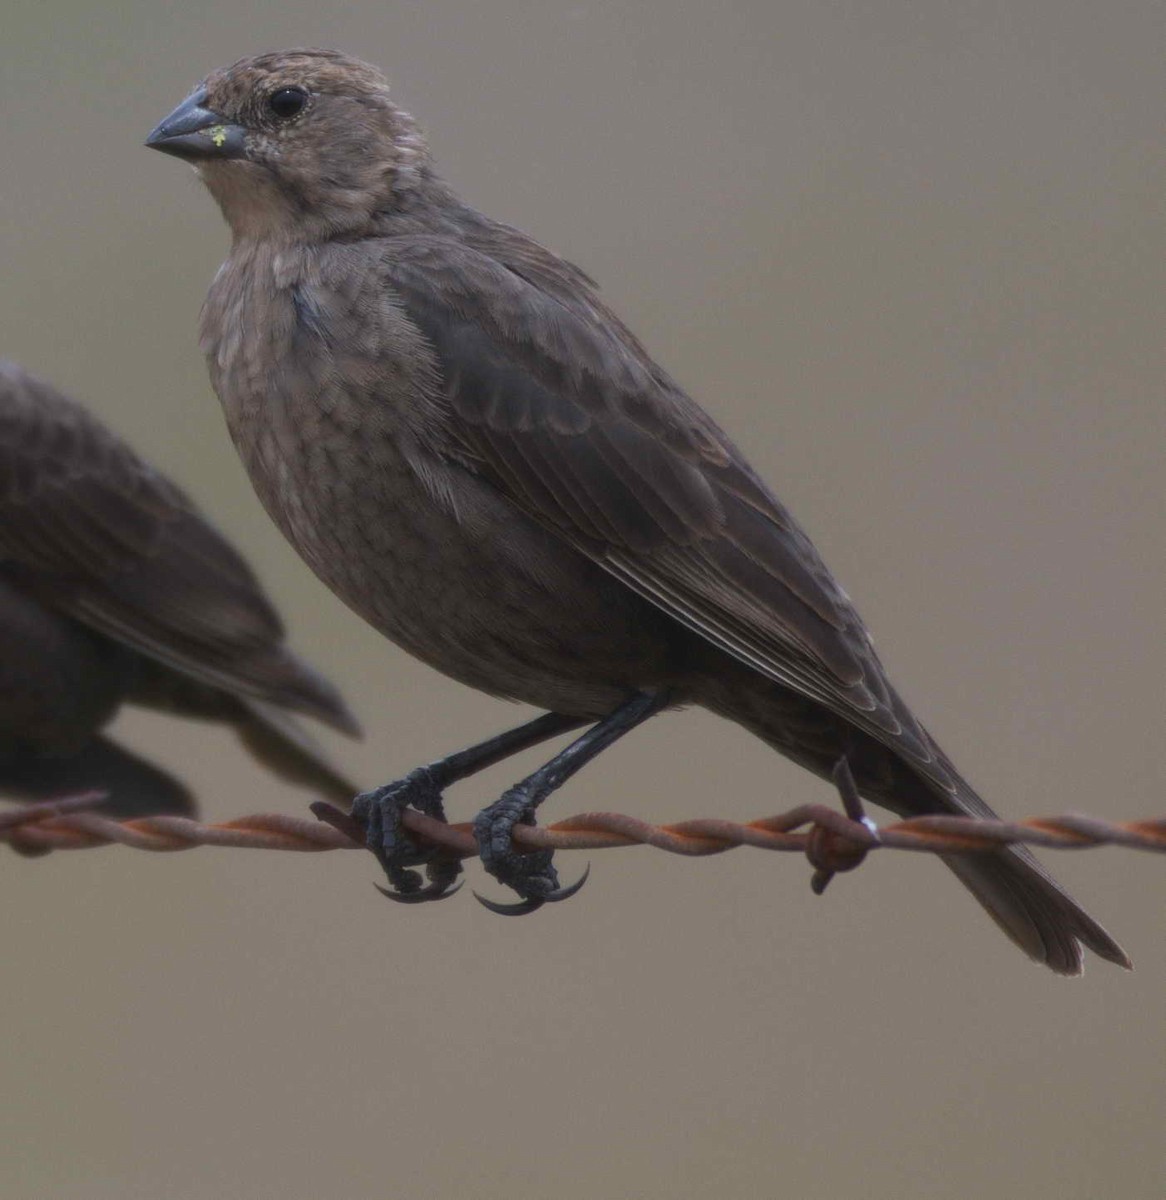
[
  {"x": 435, "y": 890},
  {"x": 406, "y": 887},
  {"x": 532, "y": 875},
  {"x": 532, "y": 903},
  {"x": 529, "y": 905},
  {"x": 565, "y": 893},
  {"x": 377, "y": 815}
]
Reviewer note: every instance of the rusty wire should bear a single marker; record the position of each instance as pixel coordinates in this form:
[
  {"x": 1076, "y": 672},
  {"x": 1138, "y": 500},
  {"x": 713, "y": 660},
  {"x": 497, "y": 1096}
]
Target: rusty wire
[{"x": 830, "y": 839}]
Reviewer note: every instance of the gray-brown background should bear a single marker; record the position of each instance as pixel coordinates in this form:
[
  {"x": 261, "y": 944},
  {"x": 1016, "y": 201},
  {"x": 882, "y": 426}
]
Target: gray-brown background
[{"x": 911, "y": 255}]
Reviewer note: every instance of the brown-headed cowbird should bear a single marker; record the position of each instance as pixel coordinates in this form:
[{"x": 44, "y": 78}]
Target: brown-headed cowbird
[
  {"x": 475, "y": 453},
  {"x": 114, "y": 588}
]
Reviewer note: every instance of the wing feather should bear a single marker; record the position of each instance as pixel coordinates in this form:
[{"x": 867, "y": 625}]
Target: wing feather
[
  {"x": 102, "y": 536},
  {"x": 561, "y": 408}
]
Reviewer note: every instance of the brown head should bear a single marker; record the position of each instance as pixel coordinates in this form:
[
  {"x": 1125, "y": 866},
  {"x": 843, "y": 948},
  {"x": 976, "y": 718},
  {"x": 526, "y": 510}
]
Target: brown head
[{"x": 298, "y": 144}]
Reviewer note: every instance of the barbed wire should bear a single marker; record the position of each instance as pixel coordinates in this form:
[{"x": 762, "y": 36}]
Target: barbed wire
[{"x": 831, "y": 840}]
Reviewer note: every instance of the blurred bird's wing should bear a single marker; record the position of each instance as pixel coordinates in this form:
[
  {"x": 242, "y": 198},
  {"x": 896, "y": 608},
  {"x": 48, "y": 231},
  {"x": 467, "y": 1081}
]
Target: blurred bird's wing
[
  {"x": 96, "y": 532},
  {"x": 558, "y": 405}
]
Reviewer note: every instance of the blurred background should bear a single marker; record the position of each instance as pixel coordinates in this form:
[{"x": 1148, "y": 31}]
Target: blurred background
[{"x": 911, "y": 255}]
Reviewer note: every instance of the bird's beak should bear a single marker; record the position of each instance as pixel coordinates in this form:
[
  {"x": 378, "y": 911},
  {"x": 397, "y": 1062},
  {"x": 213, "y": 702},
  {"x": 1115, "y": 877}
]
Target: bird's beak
[{"x": 194, "y": 132}]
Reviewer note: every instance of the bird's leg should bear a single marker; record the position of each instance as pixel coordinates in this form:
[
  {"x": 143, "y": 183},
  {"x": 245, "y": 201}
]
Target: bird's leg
[
  {"x": 379, "y": 812},
  {"x": 532, "y": 874}
]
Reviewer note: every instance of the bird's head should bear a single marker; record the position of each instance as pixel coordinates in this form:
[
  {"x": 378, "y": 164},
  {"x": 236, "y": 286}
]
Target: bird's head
[{"x": 297, "y": 144}]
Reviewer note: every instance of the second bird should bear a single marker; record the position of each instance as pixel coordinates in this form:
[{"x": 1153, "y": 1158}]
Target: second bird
[
  {"x": 475, "y": 453},
  {"x": 113, "y": 587}
]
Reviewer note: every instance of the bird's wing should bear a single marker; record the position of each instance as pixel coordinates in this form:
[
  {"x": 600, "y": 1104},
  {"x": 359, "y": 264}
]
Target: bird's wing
[
  {"x": 559, "y": 406},
  {"x": 99, "y": 534}
]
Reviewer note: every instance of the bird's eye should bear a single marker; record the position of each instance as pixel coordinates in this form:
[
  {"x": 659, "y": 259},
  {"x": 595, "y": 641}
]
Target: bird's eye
[{"x": 287, "y": 102}]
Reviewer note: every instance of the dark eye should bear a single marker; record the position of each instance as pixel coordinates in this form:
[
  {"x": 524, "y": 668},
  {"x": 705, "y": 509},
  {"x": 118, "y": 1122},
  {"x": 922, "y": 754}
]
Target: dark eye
[{"x": 287, "y": 102}]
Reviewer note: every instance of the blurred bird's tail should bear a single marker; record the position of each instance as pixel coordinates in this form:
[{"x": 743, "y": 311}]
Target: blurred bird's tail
[
  {"x": 271, "y": 733},
  {"x": 134, "y": 787},
  {"x": 282, "y": 744}
]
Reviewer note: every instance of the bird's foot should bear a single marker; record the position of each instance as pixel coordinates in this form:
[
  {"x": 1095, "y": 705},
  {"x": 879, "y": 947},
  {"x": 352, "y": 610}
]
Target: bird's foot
[
  {"x": 378, "y": 813},
  {"x": 531, "y": 874}
]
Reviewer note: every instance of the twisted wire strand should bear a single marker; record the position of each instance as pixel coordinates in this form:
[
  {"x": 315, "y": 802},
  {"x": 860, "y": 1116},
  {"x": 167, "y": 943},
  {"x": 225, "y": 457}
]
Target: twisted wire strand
[{"x": 832, "y": 840}]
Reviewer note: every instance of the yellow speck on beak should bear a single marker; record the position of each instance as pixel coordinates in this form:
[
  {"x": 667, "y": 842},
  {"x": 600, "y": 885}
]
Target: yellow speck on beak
[{"x": 218, "y": 135}]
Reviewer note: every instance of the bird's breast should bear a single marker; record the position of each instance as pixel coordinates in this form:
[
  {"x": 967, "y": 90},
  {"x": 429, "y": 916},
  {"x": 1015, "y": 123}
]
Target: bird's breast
[
  {"x": 319, "y": 393},
  {"x": 327, "y": 392}
]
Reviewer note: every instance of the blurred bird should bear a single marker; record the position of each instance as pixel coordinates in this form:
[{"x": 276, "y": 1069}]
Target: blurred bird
[
  {"x": 474, "y": 452},
  {"x": 114, "y": 588}
]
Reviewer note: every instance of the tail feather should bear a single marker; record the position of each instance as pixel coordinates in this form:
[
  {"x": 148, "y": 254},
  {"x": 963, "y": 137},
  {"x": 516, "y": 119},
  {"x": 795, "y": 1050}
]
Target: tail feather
[
  {"x": 303, "y": 687},
  {"x": 133, "y": 786},
  {"x": 284, "y": 746},
  {"x": 1034, "y": 911},
  {"x": 1015, "y": 890}
]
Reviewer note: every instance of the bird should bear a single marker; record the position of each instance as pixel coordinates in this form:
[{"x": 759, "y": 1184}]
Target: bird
[
  {"x": 115, "y": 589},
  {"x": 476, "y": 454}
]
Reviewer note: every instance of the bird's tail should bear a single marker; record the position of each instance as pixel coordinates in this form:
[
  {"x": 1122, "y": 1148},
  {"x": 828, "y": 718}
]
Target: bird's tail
[
  {"x": 1018, "y": 894},
  {"x": 1033, "y": 909},
  {"x": 283, "y": 745},
  {"x": 133, "y": 787}
]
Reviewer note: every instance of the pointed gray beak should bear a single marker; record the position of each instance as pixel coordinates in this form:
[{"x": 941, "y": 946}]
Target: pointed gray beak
[{"x": 195, "y": 133}]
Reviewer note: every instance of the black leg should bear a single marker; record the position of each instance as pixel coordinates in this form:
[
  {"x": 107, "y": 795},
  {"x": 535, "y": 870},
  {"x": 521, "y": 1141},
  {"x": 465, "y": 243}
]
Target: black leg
[
  {"x": 532, "y": 875},
  {"x": 379, "y": 811}
]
